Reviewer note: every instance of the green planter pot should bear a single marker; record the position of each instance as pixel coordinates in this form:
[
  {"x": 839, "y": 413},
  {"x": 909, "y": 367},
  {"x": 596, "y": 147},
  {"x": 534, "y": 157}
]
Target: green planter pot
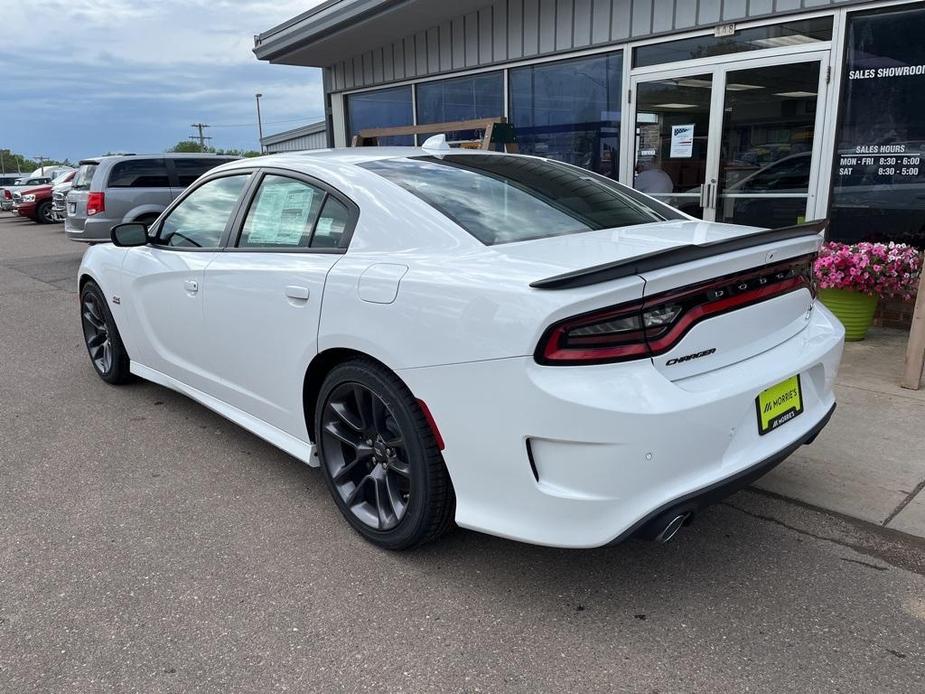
[{"x": 854, "y": 309}]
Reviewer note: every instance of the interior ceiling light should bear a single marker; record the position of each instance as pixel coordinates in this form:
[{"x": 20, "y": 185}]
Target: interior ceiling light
[
  {"x": 690, "y": 82},
  {"x": 737, "y": 87},
  {"x": 781, "y": 41},
  {"x": 795, "y": 95},
  {"x": 674, "y": 106}
]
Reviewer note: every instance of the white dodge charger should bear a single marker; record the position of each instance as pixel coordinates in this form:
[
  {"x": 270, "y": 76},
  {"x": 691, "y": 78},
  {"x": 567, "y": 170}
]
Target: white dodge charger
[{"x": 505, "y": 342}]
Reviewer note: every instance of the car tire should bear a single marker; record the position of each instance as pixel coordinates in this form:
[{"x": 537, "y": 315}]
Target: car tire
[
  {"x": 380, "y": 458},
  {"x": 43, "y": 213},
  {"x": 101, "y": 337}
]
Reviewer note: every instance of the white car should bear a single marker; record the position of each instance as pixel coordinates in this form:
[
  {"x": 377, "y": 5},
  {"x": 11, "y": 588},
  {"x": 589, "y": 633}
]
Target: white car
[{"x": 507, "y": 342}]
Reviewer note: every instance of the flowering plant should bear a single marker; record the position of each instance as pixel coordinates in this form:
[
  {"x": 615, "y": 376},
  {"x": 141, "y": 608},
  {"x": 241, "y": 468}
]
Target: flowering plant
[{"x": 887, "y": 270}]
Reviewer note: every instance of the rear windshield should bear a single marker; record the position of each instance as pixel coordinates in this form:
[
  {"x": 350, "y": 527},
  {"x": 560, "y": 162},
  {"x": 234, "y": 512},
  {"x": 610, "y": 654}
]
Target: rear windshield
[
  {"x": 188, "y": 170},
  {"x": 84, "y": 176},
  {"x": 503, "y": 199}
]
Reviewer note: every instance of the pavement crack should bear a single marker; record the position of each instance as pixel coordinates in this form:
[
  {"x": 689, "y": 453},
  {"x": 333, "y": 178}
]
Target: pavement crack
[{"x": 905, "y": 502}]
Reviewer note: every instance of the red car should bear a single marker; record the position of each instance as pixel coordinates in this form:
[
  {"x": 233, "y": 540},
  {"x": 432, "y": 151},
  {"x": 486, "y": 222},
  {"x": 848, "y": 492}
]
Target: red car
[{"x": 36, "y": 202}]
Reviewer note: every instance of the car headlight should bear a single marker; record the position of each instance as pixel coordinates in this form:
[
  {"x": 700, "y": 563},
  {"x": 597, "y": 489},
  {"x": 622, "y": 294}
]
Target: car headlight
[{"x": 28, "y": 198}]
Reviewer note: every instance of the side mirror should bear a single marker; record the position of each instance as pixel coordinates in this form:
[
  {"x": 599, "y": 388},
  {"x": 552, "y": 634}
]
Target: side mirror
[{"x": 129, "y": 234}]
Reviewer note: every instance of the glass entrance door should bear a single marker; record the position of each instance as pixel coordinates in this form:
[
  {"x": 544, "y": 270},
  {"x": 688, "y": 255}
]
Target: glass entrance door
[
  {"x": 672, "y": 143},
  {"x": 734, "y": 143},
  {"x": 766, "y": 150}
]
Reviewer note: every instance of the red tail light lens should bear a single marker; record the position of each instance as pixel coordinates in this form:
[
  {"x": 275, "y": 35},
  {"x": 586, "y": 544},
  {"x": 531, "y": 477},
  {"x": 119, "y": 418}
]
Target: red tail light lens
[
  {"x": 7, "y": 195},
  {"x": 656, "y": 324},
  {"x": 96, "y": 203}
]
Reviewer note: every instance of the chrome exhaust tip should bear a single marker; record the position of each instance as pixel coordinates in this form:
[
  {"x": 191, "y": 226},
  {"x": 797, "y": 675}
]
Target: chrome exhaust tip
[{"x": 672, "y": 527}]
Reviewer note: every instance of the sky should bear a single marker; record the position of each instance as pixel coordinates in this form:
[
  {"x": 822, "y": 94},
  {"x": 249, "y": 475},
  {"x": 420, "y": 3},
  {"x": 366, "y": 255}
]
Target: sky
[{"x": 80, "y": 78}]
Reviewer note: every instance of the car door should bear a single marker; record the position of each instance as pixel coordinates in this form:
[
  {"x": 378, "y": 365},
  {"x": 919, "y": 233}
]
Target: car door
[
  {"x": 162, "y": 282},
  {"x": 263, "y": 295}
]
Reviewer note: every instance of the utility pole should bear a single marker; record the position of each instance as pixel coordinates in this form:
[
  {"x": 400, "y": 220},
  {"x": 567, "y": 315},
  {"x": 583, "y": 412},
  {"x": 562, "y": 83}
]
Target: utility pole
[
  {"x": 259, "y": 123},
  {"x": 2, "y": 164},
  {"x": 41, "y": 159},
  {"x": 202, "y": 138}
]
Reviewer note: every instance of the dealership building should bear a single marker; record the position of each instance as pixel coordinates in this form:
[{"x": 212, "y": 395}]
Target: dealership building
[{"x": 764, "y": 112}]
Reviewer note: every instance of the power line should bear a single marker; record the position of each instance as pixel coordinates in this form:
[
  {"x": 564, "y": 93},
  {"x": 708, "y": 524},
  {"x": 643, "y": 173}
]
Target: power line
[{"x": 251, "y": 125}]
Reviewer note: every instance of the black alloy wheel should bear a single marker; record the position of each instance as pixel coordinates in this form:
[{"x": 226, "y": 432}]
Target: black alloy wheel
[
  {"x": 104, "y": 344},
  {"x": 366, "y": 456},
  {"x": 379, "y": 457}
]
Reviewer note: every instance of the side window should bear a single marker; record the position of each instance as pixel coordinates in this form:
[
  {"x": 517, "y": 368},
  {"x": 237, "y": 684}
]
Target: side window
[
  {"x": 188, "y": 170},
  {"x": 139, "y": 173},
  {"x": 331, "y": 229},
  {"x": 282, "y": 215},
  {"x": 200, "y": 220}
]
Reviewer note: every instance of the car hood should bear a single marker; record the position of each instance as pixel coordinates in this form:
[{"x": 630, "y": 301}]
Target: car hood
[
  {"x": 562, "y": 254},
  {"x": 35, "y": 189}
]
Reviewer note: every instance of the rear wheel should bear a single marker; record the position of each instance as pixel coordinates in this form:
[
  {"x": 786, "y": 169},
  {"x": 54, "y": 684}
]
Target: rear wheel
[
  {"x": 379, "y": 457},
  {"x": 43, "y": 214},
  {"x": 104, "y": 344}
]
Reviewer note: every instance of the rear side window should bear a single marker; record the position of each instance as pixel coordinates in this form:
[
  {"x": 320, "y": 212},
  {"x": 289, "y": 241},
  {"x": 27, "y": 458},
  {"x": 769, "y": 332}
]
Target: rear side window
[
  {"x": 188, "y": 170},
  {"x": 200, "y": 219},
  {"x": 282, "y": 215},
  {"x": 331, "y": 229},
  {"x": 503, "y": 199},
  {"x": 139, "y": 173},
  {"x": 84, "y": 176}
]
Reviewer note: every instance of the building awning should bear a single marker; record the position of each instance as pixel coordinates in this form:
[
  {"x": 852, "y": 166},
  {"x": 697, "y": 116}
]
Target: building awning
[{"x": 334, "y": 30}]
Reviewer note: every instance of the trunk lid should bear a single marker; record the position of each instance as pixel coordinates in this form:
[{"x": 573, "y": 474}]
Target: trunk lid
[{"x": 734, "y": 291}]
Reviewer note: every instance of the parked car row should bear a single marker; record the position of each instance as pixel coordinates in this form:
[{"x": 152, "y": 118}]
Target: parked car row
[{"x": 105, "y": 191}]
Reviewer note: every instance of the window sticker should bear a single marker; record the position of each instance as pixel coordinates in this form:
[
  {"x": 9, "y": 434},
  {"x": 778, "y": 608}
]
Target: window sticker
[{"x": 281, "y": 215}]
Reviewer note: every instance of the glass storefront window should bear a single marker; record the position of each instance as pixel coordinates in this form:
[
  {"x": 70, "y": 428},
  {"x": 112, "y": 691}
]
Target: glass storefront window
[
  {"x": 570, "y": 111},
  {"x": 461, "y": 98},
  {"x": 878, "y": 191},
  {"x": 383, "y": 108},
  {"x": 753, "y": 39}
]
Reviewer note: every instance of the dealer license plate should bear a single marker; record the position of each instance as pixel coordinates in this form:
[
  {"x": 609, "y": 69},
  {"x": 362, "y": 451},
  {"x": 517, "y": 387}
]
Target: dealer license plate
[{"x": 779, "y": 404}]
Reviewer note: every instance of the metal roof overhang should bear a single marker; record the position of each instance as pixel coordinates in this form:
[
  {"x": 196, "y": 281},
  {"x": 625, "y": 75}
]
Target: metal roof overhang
[{"x": 340, "y": 29}]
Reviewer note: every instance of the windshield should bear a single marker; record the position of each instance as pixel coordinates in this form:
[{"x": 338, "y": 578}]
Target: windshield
[
  {"x": 61, "y": 179},
  {"x": 503, "y": 199},
  {"x": 84, "y": 176}
]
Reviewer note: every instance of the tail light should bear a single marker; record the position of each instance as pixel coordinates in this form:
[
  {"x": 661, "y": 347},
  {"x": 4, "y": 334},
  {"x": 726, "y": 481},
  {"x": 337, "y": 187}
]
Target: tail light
[
  {"x": 7, "y": 195},
  {"x": 96, "y": 203},
  {"x": 654, "y": 325}
]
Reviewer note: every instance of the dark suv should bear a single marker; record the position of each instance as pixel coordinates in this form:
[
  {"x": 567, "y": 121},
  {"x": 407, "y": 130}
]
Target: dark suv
[{"x": 129, "y": 188}]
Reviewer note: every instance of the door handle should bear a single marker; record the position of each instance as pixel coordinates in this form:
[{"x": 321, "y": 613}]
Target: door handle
[
  {"x": 192, "y": 286},
  {"x": 298, "y": 293}
]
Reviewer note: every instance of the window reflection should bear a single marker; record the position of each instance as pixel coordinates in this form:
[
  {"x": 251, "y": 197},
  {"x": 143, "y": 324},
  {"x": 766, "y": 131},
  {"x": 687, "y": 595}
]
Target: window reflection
[
  {"x": 200, "y": 220},
  {"x": 570, "y": 111},
  {"x": 461, "y": 98},
  {"x": 383, "y": 108}
]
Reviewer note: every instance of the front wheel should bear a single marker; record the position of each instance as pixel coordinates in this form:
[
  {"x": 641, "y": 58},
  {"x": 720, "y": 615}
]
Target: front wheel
[
  {"x": 43, "y": 214},
  {"x": 379, "y": 457},
  {"x": 104, "y": 344}
]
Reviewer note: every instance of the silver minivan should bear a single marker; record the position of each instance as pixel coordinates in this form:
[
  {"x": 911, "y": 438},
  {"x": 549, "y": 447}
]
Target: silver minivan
[{"x": 129, "y": 188}]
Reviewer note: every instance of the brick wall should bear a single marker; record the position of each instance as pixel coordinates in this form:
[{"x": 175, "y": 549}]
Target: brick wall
[{"x": 894, "y": 313}]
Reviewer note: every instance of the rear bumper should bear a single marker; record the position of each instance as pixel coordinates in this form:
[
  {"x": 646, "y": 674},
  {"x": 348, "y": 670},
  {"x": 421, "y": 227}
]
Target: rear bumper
[
  {"x": 88, "y": 229},
  {"x": 695, "y": 501},
  {"x": 584, "y": 456}
]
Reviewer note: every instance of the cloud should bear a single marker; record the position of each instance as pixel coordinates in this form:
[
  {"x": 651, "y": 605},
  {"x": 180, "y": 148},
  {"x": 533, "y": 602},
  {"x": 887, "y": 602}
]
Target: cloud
[{"x": 81, "y": 74}]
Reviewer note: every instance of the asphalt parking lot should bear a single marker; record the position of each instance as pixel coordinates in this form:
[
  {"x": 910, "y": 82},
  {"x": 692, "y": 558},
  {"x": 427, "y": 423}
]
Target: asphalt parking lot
[{"x": 148, "y": 545}]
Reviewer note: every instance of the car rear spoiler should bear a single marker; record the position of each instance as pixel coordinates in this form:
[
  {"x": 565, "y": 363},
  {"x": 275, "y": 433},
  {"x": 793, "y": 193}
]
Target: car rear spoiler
[{"x": 675, "y": 256}]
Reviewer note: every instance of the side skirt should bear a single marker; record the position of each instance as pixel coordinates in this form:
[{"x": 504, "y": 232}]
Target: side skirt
[{"x": 297, "y": 448}]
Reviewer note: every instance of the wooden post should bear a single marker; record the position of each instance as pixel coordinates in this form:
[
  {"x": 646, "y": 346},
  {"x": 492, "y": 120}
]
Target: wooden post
[{"x": 915, "y": 350}]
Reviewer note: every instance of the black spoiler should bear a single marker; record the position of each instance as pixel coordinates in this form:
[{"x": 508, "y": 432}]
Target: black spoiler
[{"x": 675, "y": 256}]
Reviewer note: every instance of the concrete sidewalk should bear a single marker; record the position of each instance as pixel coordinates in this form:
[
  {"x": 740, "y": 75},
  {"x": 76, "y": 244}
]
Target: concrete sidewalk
[{"x": 869, "y": 463}]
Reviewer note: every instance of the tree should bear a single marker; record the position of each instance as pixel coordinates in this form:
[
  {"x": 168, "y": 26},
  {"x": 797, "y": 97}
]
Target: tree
[
  {"x": 194, "y": 147},
  {"x": 189, "y": 146}
]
